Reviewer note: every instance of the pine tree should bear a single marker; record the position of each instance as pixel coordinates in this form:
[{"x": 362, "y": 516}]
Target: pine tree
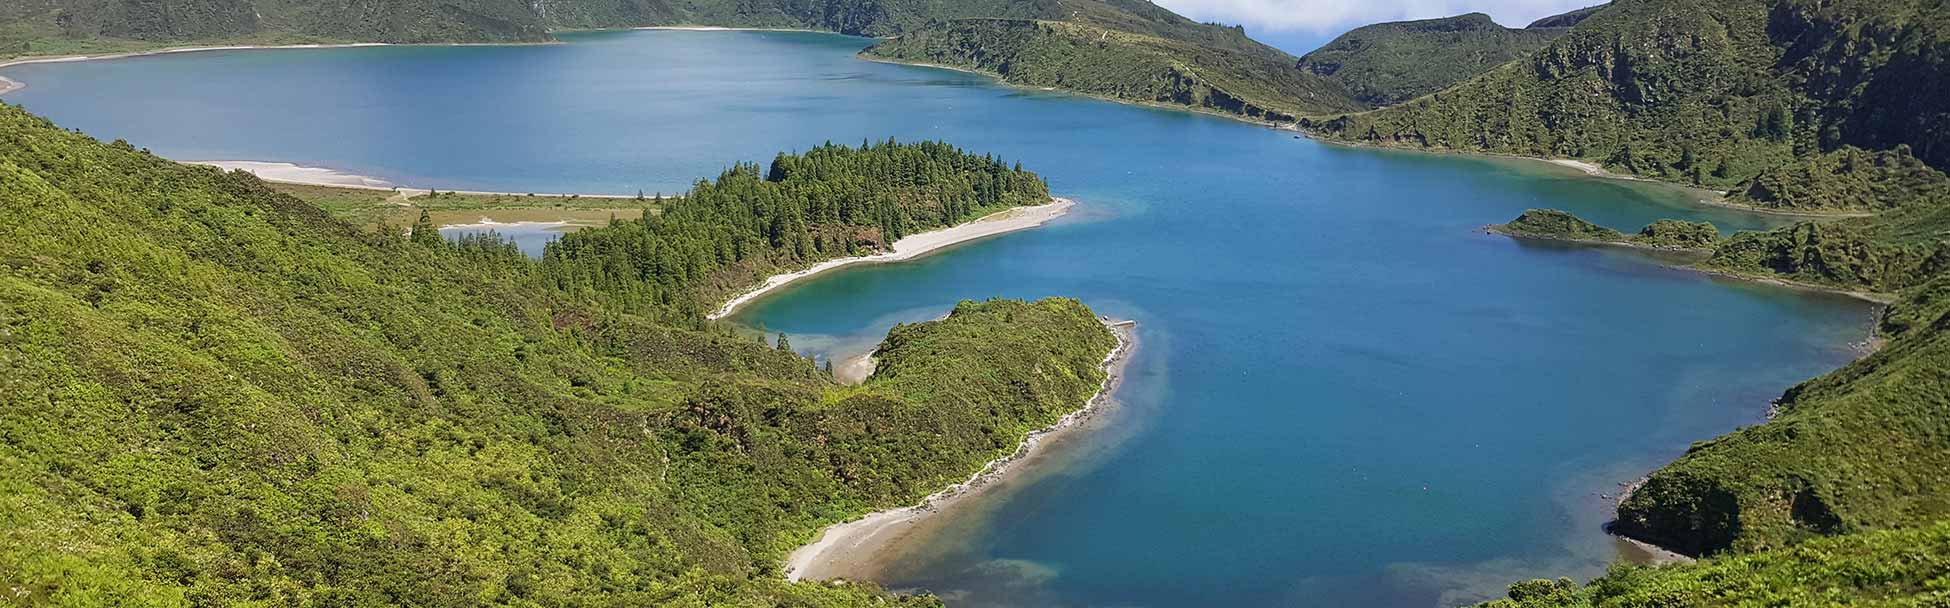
[
  {"x": 424, "y": 232},
  {"x": 784, "y": 346}
]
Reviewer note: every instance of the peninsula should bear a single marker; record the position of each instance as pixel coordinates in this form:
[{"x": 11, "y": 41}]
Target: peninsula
[{"x": 561, "y": 405}]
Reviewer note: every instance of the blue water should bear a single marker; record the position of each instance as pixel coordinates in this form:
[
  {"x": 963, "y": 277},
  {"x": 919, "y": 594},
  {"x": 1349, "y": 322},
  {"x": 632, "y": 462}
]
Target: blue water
[
  {"x": 1346, "y": 393},
  {"x": 530, "y": 237}
]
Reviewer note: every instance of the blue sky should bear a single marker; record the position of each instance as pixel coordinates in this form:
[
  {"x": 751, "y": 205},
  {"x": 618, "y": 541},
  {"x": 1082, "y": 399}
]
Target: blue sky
[{"x": 1298, "y": 26}]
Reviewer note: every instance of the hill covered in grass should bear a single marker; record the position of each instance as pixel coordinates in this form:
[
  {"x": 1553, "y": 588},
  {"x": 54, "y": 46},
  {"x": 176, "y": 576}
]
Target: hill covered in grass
[
  {"x": 1892, "y": 568},
  {"x": 1129, "y": 50},
  {"x": 1842, "y": 497},
  {"x": 1388, "y": 63},
  {"x": 1709, "y": 93},
  {"x": 1551, "y": 224},
  {"x": 1829, "y": 107},
  {"x": 1222, "y": 72},
  {"x": 219, "y": 395}
]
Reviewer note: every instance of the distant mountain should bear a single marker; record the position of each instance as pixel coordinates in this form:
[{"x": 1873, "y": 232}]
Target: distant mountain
[
  {"x": 1146, "y": 55},
  {"x": 1389, "y": 63},
  {"x": 1567, "y": 20},
  {"x": 1124, "y": 49},
  {"x": 1712, "y": 93},
  {"x": 1818, "y": 106}
]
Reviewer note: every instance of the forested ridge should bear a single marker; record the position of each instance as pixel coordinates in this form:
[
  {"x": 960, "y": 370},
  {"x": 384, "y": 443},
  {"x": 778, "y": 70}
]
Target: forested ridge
[
  {"x": 216, "y": 394},
  {"x": 1707, "y": 93},
  {"x": 1842, "y": 497},
  {"x": 1388, "y": 63},
  {"x": 727, "y": 235},
  {"x": 1125, "y": 49},
  {"x": 1125, "y": 66}
]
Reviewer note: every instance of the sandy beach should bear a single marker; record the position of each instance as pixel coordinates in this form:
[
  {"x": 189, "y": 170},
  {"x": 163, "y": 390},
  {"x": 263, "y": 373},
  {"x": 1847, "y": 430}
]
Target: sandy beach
[
  {"x": 294, "y": 174},
  {"x": 171, "y": 51},
  {"x": 287, "y": 173},
  {"x": 9, "y": 85},
  {"x": 917, "y": 245},
  {"x": 847, "y": 548}
]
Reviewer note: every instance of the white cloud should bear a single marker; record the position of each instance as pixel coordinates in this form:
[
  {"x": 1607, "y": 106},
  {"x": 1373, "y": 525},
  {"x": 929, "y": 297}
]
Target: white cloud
[{"x": 1331, "y": 16}]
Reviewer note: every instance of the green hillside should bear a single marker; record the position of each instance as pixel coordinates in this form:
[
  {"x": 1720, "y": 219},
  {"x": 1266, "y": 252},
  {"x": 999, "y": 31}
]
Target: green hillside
[
  {"x": 1567, "y": 20},
  {"x": 1551, "y": 224},
  {"x": 1713, "y": 93},
  {"x": 1116, "y": 64},
  {"x": 1788, "y": 507},
  {"x": 53, "y": 27},
  {"x": 56, "y": 26},
  {"x": 218, "y": 395},
  {"x": 1122, "y": 49},
  {"x": 1388, "y": 63},
  {"x": 1824, "y": 107},
  {"x": 1888, "y": 569}
]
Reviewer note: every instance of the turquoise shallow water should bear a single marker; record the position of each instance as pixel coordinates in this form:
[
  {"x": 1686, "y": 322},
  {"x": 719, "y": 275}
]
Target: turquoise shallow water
[{"x": 1347, "y": 393}]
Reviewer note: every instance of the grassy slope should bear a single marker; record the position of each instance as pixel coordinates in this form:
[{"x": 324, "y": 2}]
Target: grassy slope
[
  {"x": 1675, "y": 235},
  {"x": 1712, "y": 93},
  {"x": 1124, "y": 49},
  {"x": 365, "y": 207},
  {"x": 1847, "y": 179},
  {"x": 1389, "y": 63},
  {"x": 218, "y": 395},
  {"x": 1888, "y": 569},
  {"x": 856, "y": 17},
  {"x": 1566, "y": 20},
  {"x": 1795, "y": 106},
  {"x": 56, "y": 27},
  {"x": 1842, "y": 498},
  {"x": 1792, "y": 508},
  {"x": 1123, "y": 65},
  {"x": 1128, "y": 50}
]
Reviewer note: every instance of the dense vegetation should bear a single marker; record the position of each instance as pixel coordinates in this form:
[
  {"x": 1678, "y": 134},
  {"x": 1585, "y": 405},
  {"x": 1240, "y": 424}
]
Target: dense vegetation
[
  {"x": 1124, "y": 49},
  {"x": 65, "y": 26},
  {"x": 1860, "y": 450},
  {"x": 1713, "y": 93},
  {"x": 1896, "y": 568},
  {"x": 43, "y": 27},
  {"x": 1842, "y": 496},
  {"x": 1242, "y": 79},
  {"x": 367, "y": 207},
  {"x": 1847, "y": 179},
  {"x": 833, "y": 201},
  {"x": 1388, "y": 63},
  {"x": 217, "y": 394},
  {"x": 1567, "y": 20},
  {"x": 1664, "y": 234}
]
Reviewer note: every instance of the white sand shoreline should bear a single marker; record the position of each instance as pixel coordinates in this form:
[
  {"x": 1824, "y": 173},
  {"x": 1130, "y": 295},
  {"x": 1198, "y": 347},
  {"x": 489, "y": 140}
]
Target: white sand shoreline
[
  {"x": 820, "y": 559},
  {"x": 184, "y": 49},
  {"x": 917, "y": 245},
  {"x": 287, "y": 173}
]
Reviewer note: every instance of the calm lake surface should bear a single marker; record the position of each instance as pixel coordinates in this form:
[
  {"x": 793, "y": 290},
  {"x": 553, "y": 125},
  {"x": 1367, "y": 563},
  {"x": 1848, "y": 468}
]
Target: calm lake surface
[{"x": 1347, "y": 394}]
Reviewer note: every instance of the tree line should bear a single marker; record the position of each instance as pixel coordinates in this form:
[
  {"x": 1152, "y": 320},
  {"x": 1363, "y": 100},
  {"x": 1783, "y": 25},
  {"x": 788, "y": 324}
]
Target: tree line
[{"x": 830, "y": 202}]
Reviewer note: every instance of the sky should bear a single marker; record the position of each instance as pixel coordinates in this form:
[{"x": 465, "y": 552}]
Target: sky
[{"x": 1298, "y": 26}]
